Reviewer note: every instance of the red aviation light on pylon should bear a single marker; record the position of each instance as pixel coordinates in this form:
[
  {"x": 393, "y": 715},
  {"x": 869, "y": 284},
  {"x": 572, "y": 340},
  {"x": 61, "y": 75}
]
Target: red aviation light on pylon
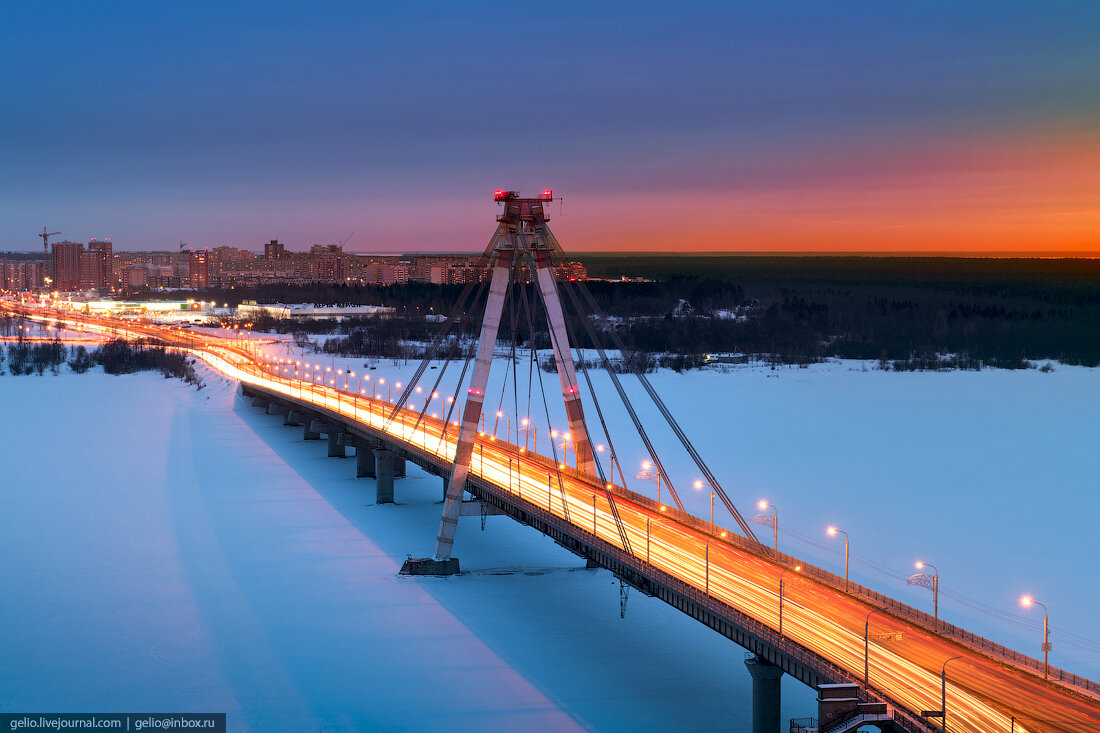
[
  {"x": 547, "y": 195},
  {"x": 499, "y": 195}
]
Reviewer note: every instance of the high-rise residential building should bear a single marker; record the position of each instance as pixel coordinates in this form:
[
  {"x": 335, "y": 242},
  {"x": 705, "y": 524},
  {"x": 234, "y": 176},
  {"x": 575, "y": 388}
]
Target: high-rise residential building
[
  {"x": 274, "y": 250},
  {"x": 100, "y": 265},
  {"x": 90, "y": 270},
  {"x": 135, "y": 276},
  {"x": 20, "y": 275},
  {"x": 199, "y": 269},
  {"x": 393, "y": 274},
  {"x": 326, "y": 262},
  {"x": 66, "y": 265}
]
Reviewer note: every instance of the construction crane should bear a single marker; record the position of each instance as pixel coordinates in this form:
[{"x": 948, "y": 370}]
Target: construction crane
[{"x": 46, "y": 234}]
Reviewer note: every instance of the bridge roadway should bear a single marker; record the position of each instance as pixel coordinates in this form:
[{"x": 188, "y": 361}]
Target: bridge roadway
[{"x": 709, "y": 572}]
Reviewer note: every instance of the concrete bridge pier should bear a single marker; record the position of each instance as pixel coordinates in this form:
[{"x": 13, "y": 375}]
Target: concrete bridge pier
[
  {"x": 383, "y": 466},
  {"x": 310, "y": 432},
  {"x": 364, "y": 459},
  {"x": 765, "y": 694},
  {"x": 258, "y": 401},
  {"x": 335, "y": 445},
  {"x": 274, "y": 408},
  {"x": 293, "y": 417},
  {"x": 398, "y": 466}
]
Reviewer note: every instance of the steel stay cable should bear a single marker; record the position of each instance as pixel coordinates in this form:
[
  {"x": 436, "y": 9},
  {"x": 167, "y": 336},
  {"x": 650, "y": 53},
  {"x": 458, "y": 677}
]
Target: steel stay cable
[
  {"x": 433, "y": 349},
  {"x": 656, "y": 398},
  {"x": 466, "y": 327},
  {"x": 460, "y": 306},
  {"x": 626, "y": 403},
  {"x": 454, "y": 401},
  {"x": 607, "y": 435},
  {"x": 509, "y": 302},
  {"x": 435, "y": 387}
]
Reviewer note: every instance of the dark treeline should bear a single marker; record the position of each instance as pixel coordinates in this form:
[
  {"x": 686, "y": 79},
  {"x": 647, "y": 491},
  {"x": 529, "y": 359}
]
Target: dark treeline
[
  {"x": 402, "y": 337},
  {"x": 116, "y": 357},
  {"x": 905, "y": 310},
  {"x": 411, "y": 298},
  {"x": 908, "y": 312}
]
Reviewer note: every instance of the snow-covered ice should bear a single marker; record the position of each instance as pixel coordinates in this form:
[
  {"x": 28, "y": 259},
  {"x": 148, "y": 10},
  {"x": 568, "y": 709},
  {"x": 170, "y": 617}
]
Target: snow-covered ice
[{"x": 173, "y": 550}]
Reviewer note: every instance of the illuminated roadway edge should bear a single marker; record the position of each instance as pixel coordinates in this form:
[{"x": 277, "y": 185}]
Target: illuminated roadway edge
[{"x": 986, "y": 687}]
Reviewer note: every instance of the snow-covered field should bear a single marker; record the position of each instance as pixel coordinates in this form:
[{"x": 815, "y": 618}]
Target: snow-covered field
[{"x": 174, "y": 550}]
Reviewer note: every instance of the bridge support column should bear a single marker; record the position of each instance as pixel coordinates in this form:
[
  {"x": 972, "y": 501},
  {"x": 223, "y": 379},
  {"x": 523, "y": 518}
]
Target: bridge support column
[
  {"x": 398, "y": 466},
  {"x": 383, "y": 466},
  {"x": 335, "y": 448},
  {"x": 309, "y": 433},
  {"x": 364, "y": 459},
  {"x": 765, "y": 694},
  {"x": 274, "y": 408},
  {"x": 258, "y": 401},
  {"x": 293, "y": 417}
]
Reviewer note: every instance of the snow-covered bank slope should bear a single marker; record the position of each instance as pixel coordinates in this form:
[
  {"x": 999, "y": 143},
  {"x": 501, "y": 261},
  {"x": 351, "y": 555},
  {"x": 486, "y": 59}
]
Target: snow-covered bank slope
[{"x": 173, "y": 550}]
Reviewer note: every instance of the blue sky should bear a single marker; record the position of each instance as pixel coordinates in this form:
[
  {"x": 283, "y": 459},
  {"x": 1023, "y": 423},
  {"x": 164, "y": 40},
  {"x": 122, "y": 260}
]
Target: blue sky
[{"x": 797, "y": 125}]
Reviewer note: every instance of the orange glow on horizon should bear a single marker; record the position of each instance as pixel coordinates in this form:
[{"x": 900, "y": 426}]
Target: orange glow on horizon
[{"x": 1036, "y": 192}]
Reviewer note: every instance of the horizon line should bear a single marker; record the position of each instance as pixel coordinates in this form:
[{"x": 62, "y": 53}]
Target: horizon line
[{"x": 992, "y": 254}]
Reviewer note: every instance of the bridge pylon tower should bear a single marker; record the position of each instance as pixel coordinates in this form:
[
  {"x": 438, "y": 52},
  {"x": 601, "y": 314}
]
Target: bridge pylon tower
[{"x": 522, "y": 232}]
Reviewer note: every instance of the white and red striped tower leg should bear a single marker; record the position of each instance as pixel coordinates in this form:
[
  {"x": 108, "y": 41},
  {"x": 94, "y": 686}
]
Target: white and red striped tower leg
[
  {"x": 563, "y": 355},
  {"x": 467, "y": 433}
]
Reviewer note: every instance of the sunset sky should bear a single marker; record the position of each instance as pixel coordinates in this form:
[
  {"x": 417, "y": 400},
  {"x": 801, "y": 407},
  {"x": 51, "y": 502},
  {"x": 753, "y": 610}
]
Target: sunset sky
[{"x": 769, "y": 126}]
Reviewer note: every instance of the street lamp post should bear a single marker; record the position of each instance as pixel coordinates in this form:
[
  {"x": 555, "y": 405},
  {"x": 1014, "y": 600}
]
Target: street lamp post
[
  {"x": 650, "y": 473},
  {"x": 564, "y": 445},
  {"x": 525, "y": 428},
  {"x": 699, "y": 485},
  {"x": 933, "y": 583},
  {"x": 507, "y": 429},
  {"x": 1027, "y": 601},
  {"x": 832, "y": 532},
  {"x": 867, "y": 644},
  {"x": 773, "y": 520},
  {"x": 797, "y": 569},
  {"x": 943, "y": 692}
]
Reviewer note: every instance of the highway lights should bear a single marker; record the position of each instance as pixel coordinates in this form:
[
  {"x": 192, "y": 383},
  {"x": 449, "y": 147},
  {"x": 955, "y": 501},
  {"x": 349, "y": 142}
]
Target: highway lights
[
  {"x": 1027, "y": 602},
  {"x": 833, "y": 531}
]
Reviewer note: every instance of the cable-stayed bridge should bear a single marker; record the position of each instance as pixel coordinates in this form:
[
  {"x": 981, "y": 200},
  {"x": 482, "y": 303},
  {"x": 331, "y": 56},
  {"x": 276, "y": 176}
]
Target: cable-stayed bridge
[{"x": 874, "y": 660}]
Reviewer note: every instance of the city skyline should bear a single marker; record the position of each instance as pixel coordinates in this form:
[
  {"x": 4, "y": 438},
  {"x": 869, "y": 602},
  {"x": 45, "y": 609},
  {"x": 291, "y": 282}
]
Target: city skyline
[{"x": 711, "y": 128}]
